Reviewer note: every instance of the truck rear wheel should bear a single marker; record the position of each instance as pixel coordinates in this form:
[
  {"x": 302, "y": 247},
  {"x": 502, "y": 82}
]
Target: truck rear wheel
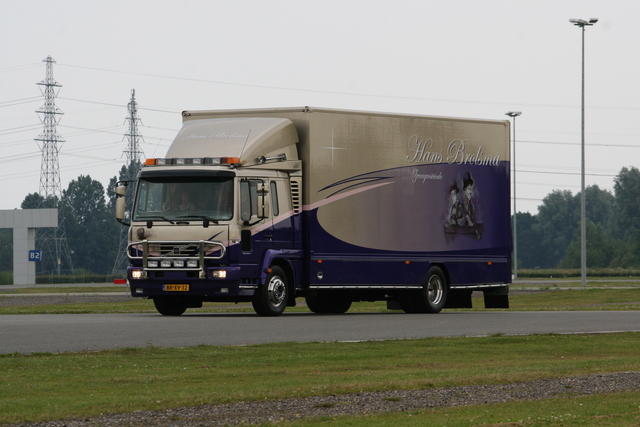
[
  {"x": 431, "y": 298},
  {"x": 271, "y": 298},
  {"x": 169, "y": 306}
]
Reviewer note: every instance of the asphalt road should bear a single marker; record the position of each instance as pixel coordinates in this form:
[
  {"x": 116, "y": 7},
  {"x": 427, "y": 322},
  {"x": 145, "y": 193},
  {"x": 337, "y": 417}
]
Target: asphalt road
[{"x": 76, "y": 332}]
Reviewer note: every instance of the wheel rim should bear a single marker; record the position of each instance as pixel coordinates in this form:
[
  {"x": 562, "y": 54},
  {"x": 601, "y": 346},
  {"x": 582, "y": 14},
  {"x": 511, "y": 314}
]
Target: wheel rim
[
  {"x": 435, "y": 290},
  {"x": 276, "y": 291}
]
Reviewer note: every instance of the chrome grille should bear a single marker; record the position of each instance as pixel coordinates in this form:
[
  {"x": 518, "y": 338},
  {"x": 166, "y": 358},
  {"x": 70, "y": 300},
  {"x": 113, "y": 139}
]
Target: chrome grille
[{"x": 201, "y": 250}]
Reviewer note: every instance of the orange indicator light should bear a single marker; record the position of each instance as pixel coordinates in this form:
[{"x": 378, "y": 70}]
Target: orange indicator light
[{"x": 230, "y": 160}]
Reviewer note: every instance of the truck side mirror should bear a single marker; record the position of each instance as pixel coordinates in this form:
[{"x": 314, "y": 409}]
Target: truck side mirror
[{"x": 121, "y": 204}]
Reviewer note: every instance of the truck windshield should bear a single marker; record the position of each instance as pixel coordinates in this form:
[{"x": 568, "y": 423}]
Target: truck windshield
[{"x": 172, "y": 198}]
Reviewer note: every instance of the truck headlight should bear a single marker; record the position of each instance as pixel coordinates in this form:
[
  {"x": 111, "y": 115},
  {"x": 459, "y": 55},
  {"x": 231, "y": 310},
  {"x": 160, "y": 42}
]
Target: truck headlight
[
  {"x": 219, "y": 274},
  {"x": 165, "y": 263},
  {"x": 138, "y": 274},
  {"x": 192, "y": 263},
  {"x": 179, "y": 263},
  {"x": 152, "y": 264}
]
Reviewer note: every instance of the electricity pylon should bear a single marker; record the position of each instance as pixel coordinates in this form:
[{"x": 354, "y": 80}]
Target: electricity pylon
[
  {"x": 52, "y": 241},
  {"x": 129, "y": 172}
]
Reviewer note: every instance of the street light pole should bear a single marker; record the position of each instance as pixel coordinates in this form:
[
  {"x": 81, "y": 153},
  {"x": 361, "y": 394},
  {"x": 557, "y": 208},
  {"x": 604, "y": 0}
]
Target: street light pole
[
  {"x": 583, "y": 222},
  {"x": 513, "y": 115}
]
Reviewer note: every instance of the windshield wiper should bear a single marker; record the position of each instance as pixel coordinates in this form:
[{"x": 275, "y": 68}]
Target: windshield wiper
[
  {"x": 164, "y": 218},
  {"x": 205, "y": 218}
]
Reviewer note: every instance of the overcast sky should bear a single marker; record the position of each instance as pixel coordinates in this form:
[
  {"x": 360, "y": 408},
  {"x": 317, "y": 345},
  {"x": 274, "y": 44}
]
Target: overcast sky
[{"x": 475, "y": 59}]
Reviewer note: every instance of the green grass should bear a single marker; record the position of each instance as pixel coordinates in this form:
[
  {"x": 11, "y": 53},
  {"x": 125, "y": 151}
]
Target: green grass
[
  {"x": 132, "y": 306},
  {"x": 57, "y": 386},
  {"x": 575, "y": 299},
  {"x": 61, "y": 290},
  {"x": 51, "y": 386},
  {"x": 576, "y": 272},
  {"x": 550, "y": 283}
]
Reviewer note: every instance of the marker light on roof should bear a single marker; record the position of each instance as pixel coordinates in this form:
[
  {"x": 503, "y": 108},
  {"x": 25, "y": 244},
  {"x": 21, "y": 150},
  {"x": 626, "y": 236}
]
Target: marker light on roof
[
  {"x": 197, "y": 161},
  {"x": 230, "y": 160}
]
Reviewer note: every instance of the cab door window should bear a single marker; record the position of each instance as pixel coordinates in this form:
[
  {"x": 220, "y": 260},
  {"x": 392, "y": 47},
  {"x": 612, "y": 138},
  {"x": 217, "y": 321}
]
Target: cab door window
[
  {"x": 248, "y": 200},
  {"x": 254, "y": 203},
  {"x": 274, "y": 199}
]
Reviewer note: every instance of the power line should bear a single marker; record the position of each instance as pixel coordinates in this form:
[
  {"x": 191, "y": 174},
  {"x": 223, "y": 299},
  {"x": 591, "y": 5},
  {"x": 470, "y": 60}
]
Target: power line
[
  {"x": 34, "y": 173},
  {"x": 367, "y": 95},
  {"x": 89, "y": 130},
  {"x": 19, "y": 67},
  {"x": 18, "y": 129},
  {"x": 19, "y": 101},
  {"x": 15, "y": 157},
  {"x": 565, "y": 173},
  {"x": 578, "y": 143},
  {"x": 158, "y": 110}
]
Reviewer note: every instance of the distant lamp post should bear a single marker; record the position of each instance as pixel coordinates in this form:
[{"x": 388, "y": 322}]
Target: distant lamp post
[
  {"x": 583, "y": 222},
  {"x": 513, "y": 115}
]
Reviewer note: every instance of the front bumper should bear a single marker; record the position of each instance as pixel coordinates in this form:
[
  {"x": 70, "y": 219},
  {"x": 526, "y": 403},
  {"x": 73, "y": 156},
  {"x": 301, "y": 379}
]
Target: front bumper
[{"x": 218, "y": 283}]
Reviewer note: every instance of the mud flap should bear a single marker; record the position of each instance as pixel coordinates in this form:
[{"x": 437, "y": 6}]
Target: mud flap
[
  {"x": 496, "y": 297},
  {"x": 393, "y": 305},
  {"x": 291, "y": 301},
  {"x": 458, "y": 299}
]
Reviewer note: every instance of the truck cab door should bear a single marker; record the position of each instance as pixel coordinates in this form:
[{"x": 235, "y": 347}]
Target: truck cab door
[
  {"x": 281, "y": 213},
  {"x": 257, "y": 222}
]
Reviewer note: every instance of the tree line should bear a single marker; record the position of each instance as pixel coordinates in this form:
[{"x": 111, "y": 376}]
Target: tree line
[
  {"x": 551, "y": 238},
  {"x": 92, "y": 235},
  {"x": 548, "y": 239}
]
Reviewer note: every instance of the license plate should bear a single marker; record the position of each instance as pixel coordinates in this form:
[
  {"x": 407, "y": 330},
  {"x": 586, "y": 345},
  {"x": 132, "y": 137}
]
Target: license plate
[{"x": 178, "y": 288}]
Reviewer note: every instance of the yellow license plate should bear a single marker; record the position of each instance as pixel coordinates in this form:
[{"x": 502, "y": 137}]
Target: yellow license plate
[{"x": 178, "y": 288}]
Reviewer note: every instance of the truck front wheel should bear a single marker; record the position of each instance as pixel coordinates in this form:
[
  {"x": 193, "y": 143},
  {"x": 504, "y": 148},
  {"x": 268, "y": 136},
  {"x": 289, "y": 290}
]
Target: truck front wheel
[
  {"x": 169, "y": 306},
  {"x": 271, "y": 298}
]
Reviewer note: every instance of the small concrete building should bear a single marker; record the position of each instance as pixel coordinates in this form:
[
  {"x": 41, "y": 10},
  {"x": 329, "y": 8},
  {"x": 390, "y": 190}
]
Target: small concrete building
[{"x": 24, "y": 223}]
